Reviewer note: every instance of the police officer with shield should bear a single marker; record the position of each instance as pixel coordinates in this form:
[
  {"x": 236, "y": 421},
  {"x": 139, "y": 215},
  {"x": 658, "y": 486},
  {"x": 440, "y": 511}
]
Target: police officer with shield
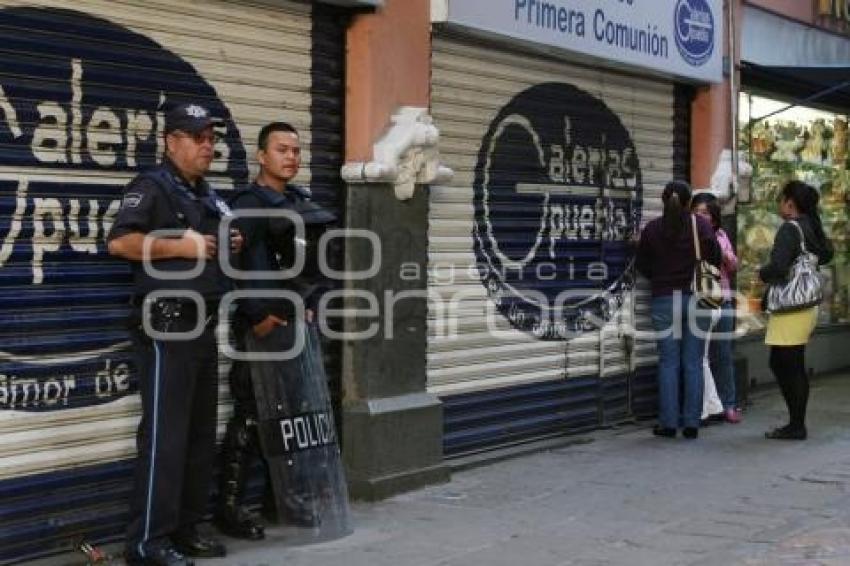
[
  {"x": 167, "y": 228},
  {"x": 304, "y": 488}
]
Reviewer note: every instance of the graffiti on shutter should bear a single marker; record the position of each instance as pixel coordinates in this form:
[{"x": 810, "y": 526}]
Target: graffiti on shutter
[
  {"x": 70, "y": 139},
  {"x": 557, "y": 199}
]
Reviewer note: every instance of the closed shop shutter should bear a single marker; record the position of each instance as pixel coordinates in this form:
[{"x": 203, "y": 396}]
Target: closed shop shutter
[
  {"x": 523, "y": 133},
  {"x": 83, "y": 85}
]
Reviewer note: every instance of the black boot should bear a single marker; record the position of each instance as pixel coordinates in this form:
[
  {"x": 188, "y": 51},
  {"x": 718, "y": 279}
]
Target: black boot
[{"x": 232, "y": 518}]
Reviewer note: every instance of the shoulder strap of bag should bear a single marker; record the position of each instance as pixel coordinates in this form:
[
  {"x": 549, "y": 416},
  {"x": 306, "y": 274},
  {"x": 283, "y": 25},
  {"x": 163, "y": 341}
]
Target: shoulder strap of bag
[
  {"x": 802, "y": 236},
  {"x": 696, "y": 237}
]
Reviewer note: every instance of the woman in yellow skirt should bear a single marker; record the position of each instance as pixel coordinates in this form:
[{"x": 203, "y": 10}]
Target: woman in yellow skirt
[{"x": 788, "y": 333}]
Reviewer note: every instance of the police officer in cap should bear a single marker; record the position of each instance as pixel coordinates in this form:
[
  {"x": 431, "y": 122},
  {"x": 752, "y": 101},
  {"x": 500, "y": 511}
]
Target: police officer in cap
[{"x": 166, "y": 226}]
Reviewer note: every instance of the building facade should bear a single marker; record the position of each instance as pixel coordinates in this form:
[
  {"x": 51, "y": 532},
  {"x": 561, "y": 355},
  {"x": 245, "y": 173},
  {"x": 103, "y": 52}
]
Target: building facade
[
  {"x": 504, "y": 158},
  {"x": 785, "y": 113},
  {"x": 83, "y": 90}
]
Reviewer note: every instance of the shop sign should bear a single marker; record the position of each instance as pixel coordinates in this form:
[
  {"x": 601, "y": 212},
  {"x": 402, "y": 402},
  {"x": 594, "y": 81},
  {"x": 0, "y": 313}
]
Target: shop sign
[
  {"x": 76, "y": 123},
  {"x": 557, "y": 200},
  {"x": 680, "y": 38}
]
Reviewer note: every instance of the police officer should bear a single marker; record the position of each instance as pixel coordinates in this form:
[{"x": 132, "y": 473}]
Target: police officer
[
  {"x": 167, "y": 223},
  {"x": 270, "y": 246}
]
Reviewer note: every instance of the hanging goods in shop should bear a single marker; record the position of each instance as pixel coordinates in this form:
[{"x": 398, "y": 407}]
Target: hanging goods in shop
[{"x": 804, "y": 287}]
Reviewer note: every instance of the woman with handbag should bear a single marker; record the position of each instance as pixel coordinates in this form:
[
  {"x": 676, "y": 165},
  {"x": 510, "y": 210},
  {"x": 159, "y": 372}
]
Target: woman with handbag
[
  {"x": 669, "y": 253},
  {"x": 794, "y": 288},
  {"x": 719, "y": 364}
]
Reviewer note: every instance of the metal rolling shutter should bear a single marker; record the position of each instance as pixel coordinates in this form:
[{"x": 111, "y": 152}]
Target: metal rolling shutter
[
  {"x": 82, "y": 84},
  {"x": 644, "y": 384},
  {"x": 497, "y": 389}
]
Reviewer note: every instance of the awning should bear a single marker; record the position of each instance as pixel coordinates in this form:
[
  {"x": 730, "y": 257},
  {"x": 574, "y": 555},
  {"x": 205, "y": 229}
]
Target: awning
[
  {"x": 771, "y": 40},
  {"x": 818, "y": 86},
  {"x": 802, "y": 63}
]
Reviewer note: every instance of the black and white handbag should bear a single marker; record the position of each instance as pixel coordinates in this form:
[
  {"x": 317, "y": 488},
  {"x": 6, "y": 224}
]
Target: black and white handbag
[
  {"x": 706, "y": 282},
  {"x": 804, "y": 287}
]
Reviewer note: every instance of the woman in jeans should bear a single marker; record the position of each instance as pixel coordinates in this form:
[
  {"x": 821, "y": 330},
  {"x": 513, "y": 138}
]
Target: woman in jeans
[
  {"x": 666, "y": 256},
  {"x": 721, "y": 351},
  {"x": 788, "y": 333}
]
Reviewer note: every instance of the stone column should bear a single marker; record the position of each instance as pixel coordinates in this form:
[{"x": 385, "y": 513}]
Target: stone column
[{"x": 392, "y": 427}]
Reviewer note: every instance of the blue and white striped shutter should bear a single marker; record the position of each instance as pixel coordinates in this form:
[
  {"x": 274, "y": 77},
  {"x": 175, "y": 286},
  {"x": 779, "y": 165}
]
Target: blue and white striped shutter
[
  {"x": 83, "y": 85},
  {"x": 511, "y": 385}
]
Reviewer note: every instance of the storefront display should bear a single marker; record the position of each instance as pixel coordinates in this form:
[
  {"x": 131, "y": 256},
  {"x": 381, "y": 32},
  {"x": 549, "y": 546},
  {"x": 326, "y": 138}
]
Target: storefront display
[{"x": 794, "y": 143}]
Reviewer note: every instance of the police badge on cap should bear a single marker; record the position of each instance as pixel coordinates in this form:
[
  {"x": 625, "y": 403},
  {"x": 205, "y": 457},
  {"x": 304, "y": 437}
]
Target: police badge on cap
[{"x": 191, "y": 118}]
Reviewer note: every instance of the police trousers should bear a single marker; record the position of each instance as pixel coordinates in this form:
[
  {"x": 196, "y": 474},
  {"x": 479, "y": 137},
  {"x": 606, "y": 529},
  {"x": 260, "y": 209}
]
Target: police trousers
[{"x": 178, "y": 381}]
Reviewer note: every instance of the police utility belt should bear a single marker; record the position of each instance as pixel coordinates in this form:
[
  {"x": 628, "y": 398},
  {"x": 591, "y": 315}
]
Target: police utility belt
[{"x": 175, "y": 314}]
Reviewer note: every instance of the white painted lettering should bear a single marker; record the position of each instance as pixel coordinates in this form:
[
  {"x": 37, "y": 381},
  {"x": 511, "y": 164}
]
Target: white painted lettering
[
  {"x": 47, "y": 212},
  {"x": 50, "y": 139},
  {"x": 52, "y": 392},
  {"x": 139, "y": 127},
  {"x": 104, "y": 136},
  {"x": 10, "y": 113},
  {"x": 121, "y": 378}
]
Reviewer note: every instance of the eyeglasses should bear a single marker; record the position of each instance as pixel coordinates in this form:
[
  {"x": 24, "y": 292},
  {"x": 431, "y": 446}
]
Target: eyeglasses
[{"x": 199, "y": 137}]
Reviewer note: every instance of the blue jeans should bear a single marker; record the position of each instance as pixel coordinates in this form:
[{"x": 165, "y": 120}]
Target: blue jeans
[
  {"x": 680, "y": 353},
  {"x": 721, "y": 352}
]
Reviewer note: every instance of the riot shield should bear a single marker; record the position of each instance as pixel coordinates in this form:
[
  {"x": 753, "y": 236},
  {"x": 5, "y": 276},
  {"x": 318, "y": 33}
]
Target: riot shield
[{"x": 298, "y": 436}]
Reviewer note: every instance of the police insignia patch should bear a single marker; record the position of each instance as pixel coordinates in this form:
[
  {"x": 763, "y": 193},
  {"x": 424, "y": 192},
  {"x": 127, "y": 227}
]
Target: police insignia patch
[
  {"x": 131, "y": 200},
  {"x": 196, "y": 111}
]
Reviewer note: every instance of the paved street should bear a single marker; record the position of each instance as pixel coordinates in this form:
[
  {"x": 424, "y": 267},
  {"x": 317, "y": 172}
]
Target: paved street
[
  {"x": 623, "y": 498},
  {"x": 618, "y": 497}
]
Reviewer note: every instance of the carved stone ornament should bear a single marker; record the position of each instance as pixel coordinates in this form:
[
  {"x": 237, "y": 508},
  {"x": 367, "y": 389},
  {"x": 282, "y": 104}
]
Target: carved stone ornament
[
  {"x": 407, "y": 155},
  {"x": 723, "y": 182}
]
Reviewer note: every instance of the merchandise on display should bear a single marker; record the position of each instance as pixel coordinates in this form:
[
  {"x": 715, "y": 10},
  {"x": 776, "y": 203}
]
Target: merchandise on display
[{"x": 801, "y": 143}]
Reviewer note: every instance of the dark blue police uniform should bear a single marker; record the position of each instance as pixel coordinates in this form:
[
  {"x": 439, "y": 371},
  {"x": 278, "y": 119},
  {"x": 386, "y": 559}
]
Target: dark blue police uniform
[
  {"x": 270, "y": 245},
  {"x": 178, "y": 380}
]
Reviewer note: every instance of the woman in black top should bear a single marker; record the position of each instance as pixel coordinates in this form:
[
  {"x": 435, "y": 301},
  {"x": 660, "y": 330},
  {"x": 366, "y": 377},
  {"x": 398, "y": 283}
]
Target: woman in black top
[{"x": 788, "y": 333}]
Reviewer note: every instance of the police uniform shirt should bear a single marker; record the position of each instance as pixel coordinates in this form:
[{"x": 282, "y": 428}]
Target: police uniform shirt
[
  {"x": 270, "y": 245},
  {"x": 162, "y": 200}
]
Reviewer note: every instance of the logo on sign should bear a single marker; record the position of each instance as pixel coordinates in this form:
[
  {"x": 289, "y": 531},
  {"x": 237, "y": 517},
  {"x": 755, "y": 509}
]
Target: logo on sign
[
  {"x": 77, "y": 122},
  {"x": 694, "y": 25},
  {"x": 557, "y": 199}
]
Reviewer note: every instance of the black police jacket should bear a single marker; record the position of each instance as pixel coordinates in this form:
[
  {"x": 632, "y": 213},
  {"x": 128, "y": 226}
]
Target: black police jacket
[
  {"x": 272, "y": 244},
  {"x": 160, "y": 199}
]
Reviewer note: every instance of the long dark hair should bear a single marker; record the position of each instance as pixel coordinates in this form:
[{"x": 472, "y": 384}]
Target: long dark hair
[
  {"x": 806, "y": 199},
  {"x": 711, "y": 204},
  {"x": 676, "y": 196}
]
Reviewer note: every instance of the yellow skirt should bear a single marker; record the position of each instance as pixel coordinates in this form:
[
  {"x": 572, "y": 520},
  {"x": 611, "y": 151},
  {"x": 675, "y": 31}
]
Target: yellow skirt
[{"x": 791, "y": 328}]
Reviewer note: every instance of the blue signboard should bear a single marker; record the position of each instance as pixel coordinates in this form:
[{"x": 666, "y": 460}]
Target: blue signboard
[{"x": 677, "y": 38}]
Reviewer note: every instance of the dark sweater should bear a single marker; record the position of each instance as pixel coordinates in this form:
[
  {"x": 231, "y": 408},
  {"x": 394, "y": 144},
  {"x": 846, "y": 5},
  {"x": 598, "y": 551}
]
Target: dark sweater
[
  {"x": 668, "y": 261},
  {"x": 786, "y": 248}
]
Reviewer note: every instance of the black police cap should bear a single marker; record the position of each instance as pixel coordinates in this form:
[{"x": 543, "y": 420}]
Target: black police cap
[{"x": 191, "y": 118}]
